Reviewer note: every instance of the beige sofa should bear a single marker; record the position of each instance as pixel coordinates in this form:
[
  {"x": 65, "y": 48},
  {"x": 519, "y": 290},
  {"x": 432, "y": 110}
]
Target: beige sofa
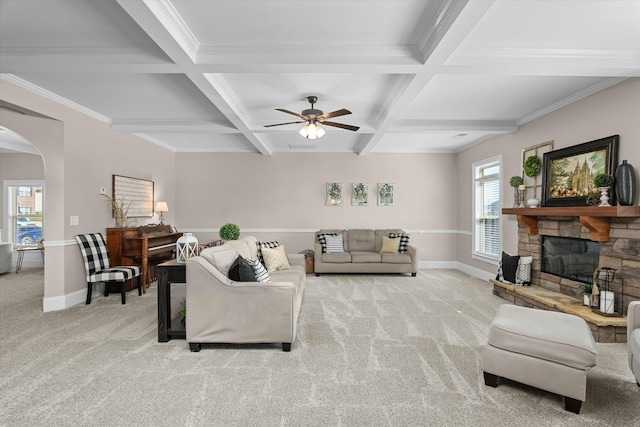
[
  {"x": 220, "y": 310},
  {"x": 362, "y": 254},
  {"x": 633, "y": 338}
]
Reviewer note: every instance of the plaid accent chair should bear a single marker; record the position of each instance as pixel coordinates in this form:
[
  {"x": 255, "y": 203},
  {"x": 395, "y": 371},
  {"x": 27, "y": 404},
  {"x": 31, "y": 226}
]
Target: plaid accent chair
[{"x": 98, "y": 268}]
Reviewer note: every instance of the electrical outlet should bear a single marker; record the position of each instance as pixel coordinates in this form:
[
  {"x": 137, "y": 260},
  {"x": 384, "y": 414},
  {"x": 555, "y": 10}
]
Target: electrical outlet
[
  {"x": 102, "y": 191},
  {"x": 74, "y": 220}
]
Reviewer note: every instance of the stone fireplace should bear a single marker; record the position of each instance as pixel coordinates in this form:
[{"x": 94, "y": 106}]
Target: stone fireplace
[
  {"x": 621, "y": 252},
  {"x": 614, "y": 232}
]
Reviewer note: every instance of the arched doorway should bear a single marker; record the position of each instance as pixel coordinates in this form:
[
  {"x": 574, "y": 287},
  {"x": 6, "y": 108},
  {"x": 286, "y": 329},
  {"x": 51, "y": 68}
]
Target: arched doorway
[
  {"x": 46, "y": 135},
  {"x": 22, "y": 203}
]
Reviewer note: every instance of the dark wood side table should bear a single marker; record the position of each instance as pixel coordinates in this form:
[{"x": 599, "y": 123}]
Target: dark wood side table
[{"x": 168, "y": 272}]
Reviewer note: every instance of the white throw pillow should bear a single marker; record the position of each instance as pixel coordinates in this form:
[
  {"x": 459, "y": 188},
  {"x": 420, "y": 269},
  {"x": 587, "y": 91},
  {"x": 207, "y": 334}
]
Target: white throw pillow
[
  {"x": 335, "y": 244},
  {"x": 275, "y": 259},
  {"x": 523, "y": 272}
]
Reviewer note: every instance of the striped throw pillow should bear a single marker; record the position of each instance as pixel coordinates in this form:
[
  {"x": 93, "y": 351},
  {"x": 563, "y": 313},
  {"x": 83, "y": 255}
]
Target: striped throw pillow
[
  {"x": 322, "y": 239},
  {"x": 404, "y": 241},
  {"x": 259, "y": 270},
  {"x": 335, "y": 245}
]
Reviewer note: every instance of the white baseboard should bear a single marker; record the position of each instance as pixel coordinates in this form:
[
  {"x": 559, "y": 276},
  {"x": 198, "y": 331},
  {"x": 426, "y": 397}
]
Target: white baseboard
[
  {"x": 64, "y": 301},
  {"x": 476, "y": 272},
  {"x": 454, "y": 265},
  {"x": 437, "y": 264}
]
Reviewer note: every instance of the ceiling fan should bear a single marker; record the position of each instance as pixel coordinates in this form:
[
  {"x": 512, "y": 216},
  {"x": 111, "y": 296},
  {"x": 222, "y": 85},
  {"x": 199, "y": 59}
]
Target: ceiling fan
[{"x": 314, "y": 117}]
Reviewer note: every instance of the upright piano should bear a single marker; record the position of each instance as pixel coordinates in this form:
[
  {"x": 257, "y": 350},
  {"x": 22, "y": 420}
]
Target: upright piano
[{"x": 146, "y": 246}]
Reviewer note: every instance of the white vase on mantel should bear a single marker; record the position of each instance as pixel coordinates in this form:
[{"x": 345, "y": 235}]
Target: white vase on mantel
[
  {"x": 533, "y": 203},
  {"x": 604, "y": 198}
]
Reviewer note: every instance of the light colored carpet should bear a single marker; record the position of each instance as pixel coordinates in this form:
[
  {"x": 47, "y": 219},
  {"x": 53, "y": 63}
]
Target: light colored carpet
[{"x": 372, "y": 350}]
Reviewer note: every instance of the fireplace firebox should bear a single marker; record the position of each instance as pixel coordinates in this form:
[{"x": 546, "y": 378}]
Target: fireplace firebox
[{"x": 574, "y": 259}]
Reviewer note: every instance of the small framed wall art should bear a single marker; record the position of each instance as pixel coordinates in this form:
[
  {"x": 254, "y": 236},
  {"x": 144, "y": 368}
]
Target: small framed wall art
[
  {"x": 360, "y": 194},
  {"x": 334, "y": 194},
  {"x": 386, "y": 194}
]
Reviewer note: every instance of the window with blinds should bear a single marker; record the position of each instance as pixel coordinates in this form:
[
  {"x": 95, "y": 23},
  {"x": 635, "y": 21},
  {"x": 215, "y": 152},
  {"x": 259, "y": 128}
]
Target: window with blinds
[{"x": 487, "y": 228}]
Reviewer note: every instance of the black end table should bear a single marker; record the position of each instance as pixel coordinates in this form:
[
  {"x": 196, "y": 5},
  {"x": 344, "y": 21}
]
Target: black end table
[{"x": 168, "y": 272}]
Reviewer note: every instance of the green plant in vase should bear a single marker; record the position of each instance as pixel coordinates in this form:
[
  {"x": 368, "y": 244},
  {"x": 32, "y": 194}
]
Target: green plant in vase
[
  {"x": 604, "y": 181},
  {"x": 229, "y": 231},
  {"x": 517, "y": 183}
]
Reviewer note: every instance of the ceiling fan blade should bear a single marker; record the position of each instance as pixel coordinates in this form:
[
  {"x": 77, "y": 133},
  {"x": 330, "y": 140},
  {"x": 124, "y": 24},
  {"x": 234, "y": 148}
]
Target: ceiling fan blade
[
  {"x": 282, "y": 124},
  {"x": 341, "y": 125},
  {"x": 332, "y": 114},
  {"x": 292, "y": 113}
]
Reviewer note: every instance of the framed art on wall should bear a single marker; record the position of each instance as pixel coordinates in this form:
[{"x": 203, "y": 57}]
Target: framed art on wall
[
  {"x": 568, "y": 173},
  {"x": 386, "y": 194},
  {"x": 360, "y": 194},
  {"x": 134, "y": 193},
  {"x": 334, "y": 194}
]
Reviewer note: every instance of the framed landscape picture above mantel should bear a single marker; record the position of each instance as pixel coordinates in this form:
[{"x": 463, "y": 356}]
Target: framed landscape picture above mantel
[{"x": 568, "y": 173}]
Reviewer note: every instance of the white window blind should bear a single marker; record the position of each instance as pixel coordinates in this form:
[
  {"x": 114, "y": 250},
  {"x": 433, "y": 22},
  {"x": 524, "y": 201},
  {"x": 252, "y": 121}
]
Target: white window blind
[{"x": 487, "y": 233}]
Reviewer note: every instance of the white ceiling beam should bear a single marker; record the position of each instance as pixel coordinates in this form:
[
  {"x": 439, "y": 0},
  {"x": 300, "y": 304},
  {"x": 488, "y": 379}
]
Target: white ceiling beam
[
  {"x": 165, "y": 27},
  {"x": 461, "y": 18},
  {"x": 146, "y": 125}
]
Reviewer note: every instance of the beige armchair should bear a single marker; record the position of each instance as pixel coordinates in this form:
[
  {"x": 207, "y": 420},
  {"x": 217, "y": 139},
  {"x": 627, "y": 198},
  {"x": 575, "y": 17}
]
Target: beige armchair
[
  {"x": 6, "y": 252},
  {"x": 633, "y": 338}
]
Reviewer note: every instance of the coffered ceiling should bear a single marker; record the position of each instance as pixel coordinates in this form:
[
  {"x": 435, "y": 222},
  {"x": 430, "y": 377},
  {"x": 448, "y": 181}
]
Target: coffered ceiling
[{"x": 418, "y": 75}]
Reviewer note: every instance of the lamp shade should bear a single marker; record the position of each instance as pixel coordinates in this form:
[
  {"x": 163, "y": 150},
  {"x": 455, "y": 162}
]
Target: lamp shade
[
  {"x": 162, "y": 207},
  {"x": 312, "y": 131},
  {"x": 186, "y": 247}
]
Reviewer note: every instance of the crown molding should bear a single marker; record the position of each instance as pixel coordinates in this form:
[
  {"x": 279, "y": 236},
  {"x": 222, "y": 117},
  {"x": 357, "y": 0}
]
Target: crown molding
[
  {"x": 572, "y": 98},
  {"x": 53, "y": 97}
]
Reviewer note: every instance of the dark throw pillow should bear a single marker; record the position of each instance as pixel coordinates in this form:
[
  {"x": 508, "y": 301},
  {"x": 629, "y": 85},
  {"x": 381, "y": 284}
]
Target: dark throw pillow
[
  {"x": 508, "y": 267},
  {"x": 241, "y": 271}
]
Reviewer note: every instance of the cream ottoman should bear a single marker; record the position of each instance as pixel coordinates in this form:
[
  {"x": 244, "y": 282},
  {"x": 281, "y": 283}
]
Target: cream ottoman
[{"x": 544, "y": 349}]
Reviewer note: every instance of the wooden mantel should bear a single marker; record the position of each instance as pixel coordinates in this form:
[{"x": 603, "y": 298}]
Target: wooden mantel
[{"x": 595, "y": 218}]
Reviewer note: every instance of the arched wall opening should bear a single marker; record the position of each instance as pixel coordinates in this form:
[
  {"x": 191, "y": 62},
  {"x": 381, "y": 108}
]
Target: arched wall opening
[{"x": 47, "y": 136}]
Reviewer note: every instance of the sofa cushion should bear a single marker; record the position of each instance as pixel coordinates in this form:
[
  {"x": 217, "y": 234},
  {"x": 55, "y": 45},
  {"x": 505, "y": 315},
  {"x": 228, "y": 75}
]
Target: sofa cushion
[
  {"x": 221, "y": 257},
  {"x": 259, "y": 271},
  {"x": 396, "y": 258},
  {"x": 390, "y": 245},
  {"x": 362, "y": 240},
  {"x": 335, "y": 244},
  {"x": 242, "y": 248},
  {"x": 365, "y": 257},
  {"x": 403, "y": 247},
  {"x": 275, "y": 258},
  {"x": 342, "y": 258},
  {"x": 241, "y": 271}
]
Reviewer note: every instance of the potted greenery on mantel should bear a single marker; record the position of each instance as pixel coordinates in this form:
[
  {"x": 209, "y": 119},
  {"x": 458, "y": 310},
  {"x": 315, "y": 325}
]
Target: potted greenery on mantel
[{"x": 604, "y": 181}]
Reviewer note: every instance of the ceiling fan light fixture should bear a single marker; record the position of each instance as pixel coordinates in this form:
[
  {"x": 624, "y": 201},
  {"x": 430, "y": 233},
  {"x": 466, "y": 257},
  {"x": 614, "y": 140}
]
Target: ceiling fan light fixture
[{"x": 312, "y": 131}]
